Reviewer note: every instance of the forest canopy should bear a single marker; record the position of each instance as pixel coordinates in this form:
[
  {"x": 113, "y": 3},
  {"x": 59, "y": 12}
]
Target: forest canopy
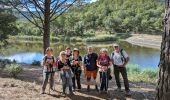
[{"x": 106, "y": 16}]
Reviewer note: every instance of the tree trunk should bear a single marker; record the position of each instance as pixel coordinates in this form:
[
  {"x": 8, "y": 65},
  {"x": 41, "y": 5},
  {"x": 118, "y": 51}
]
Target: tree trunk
[
  {"x": 46, "y": 35},
  {"x": 163, "y": 86}
]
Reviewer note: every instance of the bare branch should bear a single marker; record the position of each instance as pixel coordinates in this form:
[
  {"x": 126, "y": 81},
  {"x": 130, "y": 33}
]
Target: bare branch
[
  {"x": 56, "y": 7},
  {"x": 35, "y": 23},
  {"x": 52, "y": 19},
  {"x": 40, "y": 15},
  {"x": 37, "y": 4}
]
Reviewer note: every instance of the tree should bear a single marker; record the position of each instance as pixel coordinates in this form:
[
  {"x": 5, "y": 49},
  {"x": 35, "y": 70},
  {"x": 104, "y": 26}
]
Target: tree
[
  {"x": 163, "y": 86},
  {"x": 41, "y": 13},
  {"x": 7, "y": 23}
]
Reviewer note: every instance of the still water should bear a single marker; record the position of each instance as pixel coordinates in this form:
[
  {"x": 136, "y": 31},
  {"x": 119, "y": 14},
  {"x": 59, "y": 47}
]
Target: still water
[{"x": 28, "y": 52}]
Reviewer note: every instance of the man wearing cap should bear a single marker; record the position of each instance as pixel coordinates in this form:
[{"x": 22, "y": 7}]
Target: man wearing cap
[
  {"x": 76, "y": 62},
  {"x": 90, "y": 66},
  {"x": 119, "y": 59}
]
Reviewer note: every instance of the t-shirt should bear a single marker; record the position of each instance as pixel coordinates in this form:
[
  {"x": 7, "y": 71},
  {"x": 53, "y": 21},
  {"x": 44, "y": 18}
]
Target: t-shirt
[
  {"x": 75, "y": 67},
  {"x": 90, "y": 61},
  {"x": 118, "y": 57},
  {"x": 61, "y": 64}
]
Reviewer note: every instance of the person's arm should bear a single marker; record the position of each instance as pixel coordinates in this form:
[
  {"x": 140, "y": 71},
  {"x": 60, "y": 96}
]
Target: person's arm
[
  {"x": 80, "y": 61},
  {"x": 43, "y": 61},
  {"x": 98, "y": 64},
  {"x": 111, "y": 59},
  {"x": 126, "y": 57},
  {"x": 84, "y": 63}
]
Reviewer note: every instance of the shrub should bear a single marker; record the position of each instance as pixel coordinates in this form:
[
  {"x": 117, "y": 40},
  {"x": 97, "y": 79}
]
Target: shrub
[
  {"x": 13, "y": 69},
  {"x": 36, "y": 63},
  {"x": 133, "y": 69},
  {"x": 101, "y": 38},
  {"x": 151, "y": 73},
  {"x": 3, "y": 63}
]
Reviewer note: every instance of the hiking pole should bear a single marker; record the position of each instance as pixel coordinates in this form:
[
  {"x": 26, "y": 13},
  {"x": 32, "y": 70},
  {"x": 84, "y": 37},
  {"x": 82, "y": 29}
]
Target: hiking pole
[{"x": 49, "y": 80}]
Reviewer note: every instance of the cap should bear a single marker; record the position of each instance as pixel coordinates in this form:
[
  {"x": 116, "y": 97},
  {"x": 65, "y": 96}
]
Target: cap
[
  {"x": 75, "y": 49},
  {"x": 115, "y": 44},
  {"x": 68, "y": 48}
]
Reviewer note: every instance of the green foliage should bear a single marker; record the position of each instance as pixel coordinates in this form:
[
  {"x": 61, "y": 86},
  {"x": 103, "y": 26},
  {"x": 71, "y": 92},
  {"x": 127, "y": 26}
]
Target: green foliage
[
  {"x": 100, "y": 38},
  {"x": 145, "y": 75},
  {"x": 113, "y": 16},
  {"x": 133, "y": 69},
  {"x": 3, "y": 63},
  {"x": 36, "y": 63},
  {"x": 103, "y": 16},
  {"x": 7, "y": 24},
  {"x": 13, "y": 69},
  {"x": 150, "y": 73}
]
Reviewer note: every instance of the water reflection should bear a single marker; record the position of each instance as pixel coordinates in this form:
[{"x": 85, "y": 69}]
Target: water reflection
[
  {"x": 26, "y": 57},
  {"x": 28, "y": 52}
]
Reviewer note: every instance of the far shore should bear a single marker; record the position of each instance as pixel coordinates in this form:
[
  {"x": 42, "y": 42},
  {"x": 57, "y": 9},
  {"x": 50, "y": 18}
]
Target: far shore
[{"x": 145, "y": 40}]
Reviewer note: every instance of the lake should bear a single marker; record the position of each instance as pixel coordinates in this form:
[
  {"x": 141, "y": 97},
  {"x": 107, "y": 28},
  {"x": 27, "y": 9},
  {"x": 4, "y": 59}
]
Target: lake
[{"x": 28, "y": 52}]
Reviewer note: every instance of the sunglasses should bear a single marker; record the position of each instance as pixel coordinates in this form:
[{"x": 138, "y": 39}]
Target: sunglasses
[
  {"x": 63, "y": 54},
  {"x": 115, "y": 46}
]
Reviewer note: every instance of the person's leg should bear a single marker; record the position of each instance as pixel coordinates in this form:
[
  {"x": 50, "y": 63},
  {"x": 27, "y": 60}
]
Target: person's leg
[
  {"x": 107, "y": 79},
  {"x": 125, "y": 78},
  {"x": 102, "y": 81},
  {"x": 88, "y": 75},
  {"x": 78, "y": 79},
  {"x": 94, "y": 77},
  {"x": 45, "y": 81},
  {"x": 74, "y": 83},
  {"x": 52, "y": 81},
  {"x": 70, "y": 85},
  {"x": 63, "y": 83},
  {"x": 117, "y": 78}
]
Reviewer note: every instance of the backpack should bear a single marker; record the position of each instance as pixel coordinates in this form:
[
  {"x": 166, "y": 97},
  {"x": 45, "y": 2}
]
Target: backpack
[{"x": 121, "y": 52}]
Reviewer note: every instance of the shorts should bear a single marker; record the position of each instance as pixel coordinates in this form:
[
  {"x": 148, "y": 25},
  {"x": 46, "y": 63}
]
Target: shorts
[{"x": 90, "y": 74}]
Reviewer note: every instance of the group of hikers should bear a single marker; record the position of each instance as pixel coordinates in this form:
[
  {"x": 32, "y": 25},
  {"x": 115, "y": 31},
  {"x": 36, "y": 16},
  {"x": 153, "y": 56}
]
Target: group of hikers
[{"x": 70, "y": 65}]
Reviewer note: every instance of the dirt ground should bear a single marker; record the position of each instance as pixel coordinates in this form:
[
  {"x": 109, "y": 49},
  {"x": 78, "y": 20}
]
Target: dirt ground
[
  {"x": 27, "y": 87},
  {"x": 152, "y": 41}
]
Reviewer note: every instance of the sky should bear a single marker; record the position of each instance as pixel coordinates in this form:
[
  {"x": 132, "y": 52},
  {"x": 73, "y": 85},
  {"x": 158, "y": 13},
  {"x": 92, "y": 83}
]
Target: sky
[{"x": 93, "y": 1}]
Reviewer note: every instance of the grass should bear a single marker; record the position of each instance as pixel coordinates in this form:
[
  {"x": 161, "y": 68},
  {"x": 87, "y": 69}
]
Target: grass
[
  {"x": 136, "y": 74},
  {"x": 101, "y": 38},
  {"x": 88, "y": 37}
]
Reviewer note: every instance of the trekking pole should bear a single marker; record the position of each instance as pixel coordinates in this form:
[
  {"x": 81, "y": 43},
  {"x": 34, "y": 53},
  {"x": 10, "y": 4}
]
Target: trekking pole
[{"x": 49, "y": 82}]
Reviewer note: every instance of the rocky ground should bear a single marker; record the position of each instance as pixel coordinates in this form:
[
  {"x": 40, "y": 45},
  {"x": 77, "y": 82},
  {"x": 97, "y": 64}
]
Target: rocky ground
[{"x": 27, "y": 87}]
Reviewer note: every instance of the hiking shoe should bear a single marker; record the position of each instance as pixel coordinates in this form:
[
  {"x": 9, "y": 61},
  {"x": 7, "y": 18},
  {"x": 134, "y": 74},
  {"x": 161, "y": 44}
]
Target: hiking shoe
[
  {"x": 42, "y": 92},
  {"x": 97, "y": 88},
  {"x": 71, "y": 93},
  {"x": 119, "y": 90},
  {"x": 63, "y": 93},
  {"x": 88, "y": 88},
  {"x": 128, "y": 93}
]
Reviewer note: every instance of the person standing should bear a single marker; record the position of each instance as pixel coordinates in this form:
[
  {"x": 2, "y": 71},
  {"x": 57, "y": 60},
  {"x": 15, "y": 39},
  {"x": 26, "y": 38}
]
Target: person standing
[
  {"x": 76, "y": 63},
  {"x": 64, "y": 68},
  {"x": 68, "y": 52},
  {"x": 103, "y": 62},
  {"x": 48, "y": 69},
  {"x": 90, "y": 66},
  {"x": 119, "y": 59}
]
